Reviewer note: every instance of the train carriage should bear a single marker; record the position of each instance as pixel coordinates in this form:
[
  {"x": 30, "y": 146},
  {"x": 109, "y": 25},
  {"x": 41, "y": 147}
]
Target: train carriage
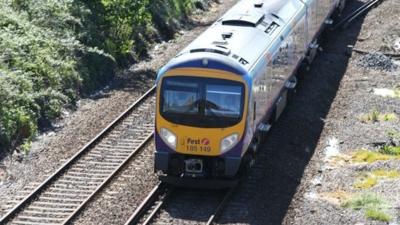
[{"x": 218, "y": 96}]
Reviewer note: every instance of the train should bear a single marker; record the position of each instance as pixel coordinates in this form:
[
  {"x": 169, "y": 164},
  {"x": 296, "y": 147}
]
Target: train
[{"x": 219, "y": 96}]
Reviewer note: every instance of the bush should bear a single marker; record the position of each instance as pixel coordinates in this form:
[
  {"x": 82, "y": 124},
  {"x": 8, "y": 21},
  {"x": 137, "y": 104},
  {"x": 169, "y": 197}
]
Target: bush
[
  {"x": 54, "y": 51},
  {"x": 39, "y": 61}
]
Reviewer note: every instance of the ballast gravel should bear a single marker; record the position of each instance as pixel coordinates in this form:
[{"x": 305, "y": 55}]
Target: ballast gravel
[{"x": 378, "y": 61}]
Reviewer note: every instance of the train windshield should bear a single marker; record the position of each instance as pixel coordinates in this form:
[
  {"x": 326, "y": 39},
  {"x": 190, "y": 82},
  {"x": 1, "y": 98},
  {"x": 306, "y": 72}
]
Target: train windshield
[{"x": 202, "y": 102}]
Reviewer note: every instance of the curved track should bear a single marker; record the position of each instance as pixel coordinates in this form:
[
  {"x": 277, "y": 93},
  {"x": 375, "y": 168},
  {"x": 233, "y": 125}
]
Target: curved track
[{"x": 62, "y": 195}]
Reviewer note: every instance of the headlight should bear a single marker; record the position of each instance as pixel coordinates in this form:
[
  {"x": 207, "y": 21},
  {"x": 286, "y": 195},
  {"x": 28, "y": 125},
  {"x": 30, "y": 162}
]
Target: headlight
[
  {"x": 228, "y": 142},
  {"x": 168, "y": 137}
]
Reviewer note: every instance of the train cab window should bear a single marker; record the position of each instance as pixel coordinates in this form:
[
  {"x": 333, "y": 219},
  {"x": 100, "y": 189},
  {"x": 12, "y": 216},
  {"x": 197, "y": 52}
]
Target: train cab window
[
  {"x": 181, "y": 97},
  {"x": 223, "y": 100},
  {"x": 201, "y": 102}
]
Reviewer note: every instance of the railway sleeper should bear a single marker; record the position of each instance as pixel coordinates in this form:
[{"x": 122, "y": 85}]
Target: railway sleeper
[
  {"x": 84, "y": 179},
  {"x": 32, "y": 223},
  {"x": 76, "y": 182},
  {"x": 65, "y": 194},
  {"x": 61, "y": 200},
  {"x": 127, "y": 141},
  {"x": 57, "y": 190},
  {"x": 108, "y": 152},
  {"x": 117, "y": 154},
  {"x": 106, "y": 159},
  {"x": 40, "y": 218},
  {"x": 54, "y": 205},
  {"x": 92, "y": 168},
  {"x": 88, "y": 174},
  {"x": 47, "y": 213},
  {"x": 105, "y": 164},
  {"x": 114, "y": 148},
  {"x": 81, "y": 188},
  {"x": 43, "y": 216},
  {"x": 91, "y": 171},
  {"x": 50, "y": 210}
]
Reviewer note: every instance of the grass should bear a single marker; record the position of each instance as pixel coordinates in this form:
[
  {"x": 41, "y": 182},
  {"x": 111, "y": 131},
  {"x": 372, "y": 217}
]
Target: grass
[
  {"x": 394, "y": 134},
  {"x": 370, "y": 179},
  {"x": 370, "y": 156},
  {"x": 379, "y": 215},
  {"x": 397, "y": 92},
  {"x": 390, "y": 150},
  {"x": 376, "y": 116},
  {"x": 365, "y": 182},
  {"x": 391, "y": 174},
  {"x": 362, "y": 201},
  {"x": 371, "y": 203}
]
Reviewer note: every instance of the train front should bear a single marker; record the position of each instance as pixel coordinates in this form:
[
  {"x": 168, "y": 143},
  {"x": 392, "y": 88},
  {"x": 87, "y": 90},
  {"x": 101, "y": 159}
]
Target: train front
[{"x": 200, "y": 121}]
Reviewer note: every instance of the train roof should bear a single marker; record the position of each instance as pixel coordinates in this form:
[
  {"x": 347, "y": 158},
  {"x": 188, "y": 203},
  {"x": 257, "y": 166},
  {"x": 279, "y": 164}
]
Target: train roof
[{"x": 244, "y": 33}]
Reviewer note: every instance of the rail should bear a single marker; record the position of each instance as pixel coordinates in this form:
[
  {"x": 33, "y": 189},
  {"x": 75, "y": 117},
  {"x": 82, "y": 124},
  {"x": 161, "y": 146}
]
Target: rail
[{"x": 113, "y": 166}]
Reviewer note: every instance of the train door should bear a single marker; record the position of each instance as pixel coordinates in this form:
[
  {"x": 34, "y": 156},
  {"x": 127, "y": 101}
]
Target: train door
[
  {"x": 280, "y": 70},
  {"x": 261, "y": 93},
  {"x": 312, "y": 21}
]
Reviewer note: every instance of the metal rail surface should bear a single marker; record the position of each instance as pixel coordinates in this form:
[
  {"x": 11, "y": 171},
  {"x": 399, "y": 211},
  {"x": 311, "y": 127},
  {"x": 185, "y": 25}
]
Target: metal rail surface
[
  {"x": 221, "y": 206},
  {"x": 153, "y": 202},
  {"x": 352, "y": 16},
  {"x": 63, "y": 194}
]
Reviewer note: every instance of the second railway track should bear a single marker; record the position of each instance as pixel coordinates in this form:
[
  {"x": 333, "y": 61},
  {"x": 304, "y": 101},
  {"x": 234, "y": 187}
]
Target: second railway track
[
  {"x": 62, "y": 195},
  {"x": 149, "y": 211}
]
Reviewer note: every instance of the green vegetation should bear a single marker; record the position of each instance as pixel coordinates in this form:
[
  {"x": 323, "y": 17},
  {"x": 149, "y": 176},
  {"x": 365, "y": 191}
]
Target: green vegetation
[
  {"x": 370, "y": 156},
  {"x": 372, "y": 204},
  {"x": 376, "y": 116},
  {"x": 54, "y": 51},
  {"x": 394, "y": 134},
  {"x": 390, "y": 150},
  {"x": 397, "y": 92},
  {"x": 366, "y": 182},
  {"x": 391, "y": 174},
  {"x": 379, "y": 215},
  {"x": 370, "y": 179},
  {"x": 365, "y": 200}
]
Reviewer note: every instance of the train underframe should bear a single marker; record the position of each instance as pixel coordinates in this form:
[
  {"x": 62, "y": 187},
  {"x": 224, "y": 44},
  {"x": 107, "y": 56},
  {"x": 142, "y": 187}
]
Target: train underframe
[{"x": 198, "y": 171}]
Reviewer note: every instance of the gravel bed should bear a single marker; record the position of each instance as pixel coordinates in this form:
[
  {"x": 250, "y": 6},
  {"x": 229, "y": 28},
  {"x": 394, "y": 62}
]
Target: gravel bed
[
  {"x": 116, "y": 203},
  {"x": 377, "y": 60},
  {"x": 189, "y": 207}
]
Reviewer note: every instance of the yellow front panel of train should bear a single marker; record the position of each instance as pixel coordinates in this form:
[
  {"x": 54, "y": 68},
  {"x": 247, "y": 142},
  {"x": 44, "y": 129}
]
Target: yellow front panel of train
[
  {"x": 195, "y": 140},
  {"x": 200, "y": 141}
]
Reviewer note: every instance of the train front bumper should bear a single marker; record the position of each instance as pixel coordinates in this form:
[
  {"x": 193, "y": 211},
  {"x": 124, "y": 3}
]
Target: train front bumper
[{"x": 196, "y": 166}]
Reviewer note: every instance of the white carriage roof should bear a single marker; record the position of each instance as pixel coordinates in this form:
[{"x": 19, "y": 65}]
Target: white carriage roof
[{"x": 245, "y": 31}]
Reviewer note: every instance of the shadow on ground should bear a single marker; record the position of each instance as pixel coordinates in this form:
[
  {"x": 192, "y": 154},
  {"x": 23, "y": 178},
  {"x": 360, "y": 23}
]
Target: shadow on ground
[{"x": 266, "y": 196}]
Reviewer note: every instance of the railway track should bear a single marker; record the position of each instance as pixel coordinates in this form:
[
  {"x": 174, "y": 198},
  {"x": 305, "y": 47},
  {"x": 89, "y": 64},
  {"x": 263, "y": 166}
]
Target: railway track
[
  {"x": 65, "y": 193},
  {"x": 151, "y": 206}
]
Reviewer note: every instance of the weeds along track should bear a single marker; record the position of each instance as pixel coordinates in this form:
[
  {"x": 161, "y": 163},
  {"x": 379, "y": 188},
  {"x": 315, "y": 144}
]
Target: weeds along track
[
  {"x": 169, "y": 205},
  {"x": 65, "y": 193}
]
